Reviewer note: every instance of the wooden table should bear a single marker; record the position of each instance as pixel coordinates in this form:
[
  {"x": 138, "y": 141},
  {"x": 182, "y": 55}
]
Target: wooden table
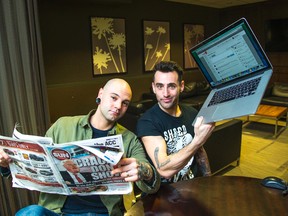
[
  {"x": 274, "y": 113},
  {"x": 213, "y": 196}
]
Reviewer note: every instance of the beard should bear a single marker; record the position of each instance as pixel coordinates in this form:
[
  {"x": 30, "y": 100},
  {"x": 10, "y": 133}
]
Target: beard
[
  {"x": 109, "y": 115},
  {"x": 168, "y": 105}
]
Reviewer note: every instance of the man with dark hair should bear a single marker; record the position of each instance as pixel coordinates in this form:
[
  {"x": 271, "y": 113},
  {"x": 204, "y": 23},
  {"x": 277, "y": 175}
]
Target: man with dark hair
[{"x": 166, "y": 130}]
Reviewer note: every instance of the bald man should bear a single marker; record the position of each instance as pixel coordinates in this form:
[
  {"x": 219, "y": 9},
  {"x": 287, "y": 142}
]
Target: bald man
[{"x": 113, "y": 100}]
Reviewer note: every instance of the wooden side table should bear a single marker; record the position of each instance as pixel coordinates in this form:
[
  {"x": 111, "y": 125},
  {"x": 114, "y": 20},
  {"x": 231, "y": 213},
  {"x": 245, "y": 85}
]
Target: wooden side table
[{"x": 274, "y": 113}]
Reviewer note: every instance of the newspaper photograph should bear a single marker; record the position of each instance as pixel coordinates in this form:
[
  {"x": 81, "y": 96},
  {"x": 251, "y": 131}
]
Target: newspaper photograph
[{"x": 80, "y": 167}]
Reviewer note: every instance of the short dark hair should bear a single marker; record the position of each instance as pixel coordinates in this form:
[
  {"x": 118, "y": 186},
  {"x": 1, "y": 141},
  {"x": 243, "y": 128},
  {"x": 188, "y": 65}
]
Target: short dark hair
[{"x": 168, "y": 66}]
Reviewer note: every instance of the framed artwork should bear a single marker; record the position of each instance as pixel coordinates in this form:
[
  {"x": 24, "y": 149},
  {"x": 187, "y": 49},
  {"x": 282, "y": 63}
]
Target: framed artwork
[
  {"x": 108, "y": 45},
  {"x": 193, "y": 34},
  {"x": 156, "y": 36}
]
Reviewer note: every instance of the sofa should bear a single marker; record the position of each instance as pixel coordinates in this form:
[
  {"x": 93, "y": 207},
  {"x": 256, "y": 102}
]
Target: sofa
[
  {"x": 276, "y": 95},
  {"x": 194, "y": 94},
  {"x": 223, "y": 146}
]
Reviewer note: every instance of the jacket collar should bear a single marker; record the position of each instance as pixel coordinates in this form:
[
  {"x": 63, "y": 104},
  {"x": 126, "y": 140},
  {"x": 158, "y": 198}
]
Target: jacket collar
[{"x": 85, "y": 122}]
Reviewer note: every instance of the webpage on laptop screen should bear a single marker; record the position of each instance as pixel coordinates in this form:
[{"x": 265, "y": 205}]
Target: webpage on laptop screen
[{"x": 230, "y": 57}]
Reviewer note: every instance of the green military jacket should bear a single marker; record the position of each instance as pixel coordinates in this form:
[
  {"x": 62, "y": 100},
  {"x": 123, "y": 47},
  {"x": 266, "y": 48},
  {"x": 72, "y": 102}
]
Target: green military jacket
[{"x": 76, "y": 128}]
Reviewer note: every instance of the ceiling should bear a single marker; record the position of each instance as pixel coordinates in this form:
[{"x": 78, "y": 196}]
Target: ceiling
[{"x": 218, "y": 3}]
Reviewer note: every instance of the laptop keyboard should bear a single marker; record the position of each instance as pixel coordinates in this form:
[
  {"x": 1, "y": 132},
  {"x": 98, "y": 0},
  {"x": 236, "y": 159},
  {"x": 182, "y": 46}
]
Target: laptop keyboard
[{"x": 238, "y": 91}]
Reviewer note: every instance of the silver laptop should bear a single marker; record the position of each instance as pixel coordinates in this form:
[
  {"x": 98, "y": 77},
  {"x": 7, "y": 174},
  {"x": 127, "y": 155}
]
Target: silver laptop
[{"x": 237, "y": 69}]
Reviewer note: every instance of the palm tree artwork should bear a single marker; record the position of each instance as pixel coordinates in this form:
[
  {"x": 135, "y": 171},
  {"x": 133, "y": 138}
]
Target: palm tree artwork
[
  {"x": 193, "y": 34},
  {"x": 108, "y": 45},
  {"x": 156, "y": 43}
]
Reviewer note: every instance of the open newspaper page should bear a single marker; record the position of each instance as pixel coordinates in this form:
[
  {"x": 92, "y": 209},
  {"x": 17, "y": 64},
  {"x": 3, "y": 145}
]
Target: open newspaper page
[
  {"x": 31, "y": 167},
  {"x": 94, "y": 160},
  {"x": 81, "y": 167}
]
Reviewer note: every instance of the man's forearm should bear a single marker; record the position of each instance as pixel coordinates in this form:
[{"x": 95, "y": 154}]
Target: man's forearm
[
  {"x": 203, "y": 162},
  {"x": 149, "y": 178},
  {"x": 171, "y": 164},
  {"x": 145, "y": 171}
]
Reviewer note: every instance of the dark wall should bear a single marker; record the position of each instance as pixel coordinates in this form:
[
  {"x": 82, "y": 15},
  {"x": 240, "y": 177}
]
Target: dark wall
[
  {"x": 66, "y": 40},
  {"x": 257, "y": 15}
]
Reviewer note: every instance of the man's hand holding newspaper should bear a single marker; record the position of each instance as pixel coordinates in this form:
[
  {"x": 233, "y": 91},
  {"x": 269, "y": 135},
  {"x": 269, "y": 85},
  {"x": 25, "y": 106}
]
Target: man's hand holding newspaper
[{"x": 81, "y": 167}]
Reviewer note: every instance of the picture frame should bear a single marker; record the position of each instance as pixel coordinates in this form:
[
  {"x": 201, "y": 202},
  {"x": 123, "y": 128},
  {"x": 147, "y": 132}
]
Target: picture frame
[
  {"x": 108, "y": 45},
  {"x": 156, "y": 43},
  {"x": 193, "y": 34}
]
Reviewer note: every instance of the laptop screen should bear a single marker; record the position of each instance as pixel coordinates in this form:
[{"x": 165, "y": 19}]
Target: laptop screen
[{"x": 230, "y": 54}]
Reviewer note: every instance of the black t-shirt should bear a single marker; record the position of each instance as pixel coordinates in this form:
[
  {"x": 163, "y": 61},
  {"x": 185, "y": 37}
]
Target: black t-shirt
[{"x": 176, "y": 131}]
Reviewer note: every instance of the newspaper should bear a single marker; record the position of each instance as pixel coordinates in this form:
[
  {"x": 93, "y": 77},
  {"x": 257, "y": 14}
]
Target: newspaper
[{"x": 39, "y": 164}]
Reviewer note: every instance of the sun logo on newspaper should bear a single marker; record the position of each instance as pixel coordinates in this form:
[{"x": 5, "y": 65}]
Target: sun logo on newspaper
[{"x": 60, "y": 154}]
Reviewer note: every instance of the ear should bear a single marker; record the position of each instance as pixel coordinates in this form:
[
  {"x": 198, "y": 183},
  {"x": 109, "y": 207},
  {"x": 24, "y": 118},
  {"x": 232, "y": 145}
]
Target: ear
[
  {"x": 100, "y": 93},
  {"x": 182, "y": 85},
  {"x": 153, "y": 87}
]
